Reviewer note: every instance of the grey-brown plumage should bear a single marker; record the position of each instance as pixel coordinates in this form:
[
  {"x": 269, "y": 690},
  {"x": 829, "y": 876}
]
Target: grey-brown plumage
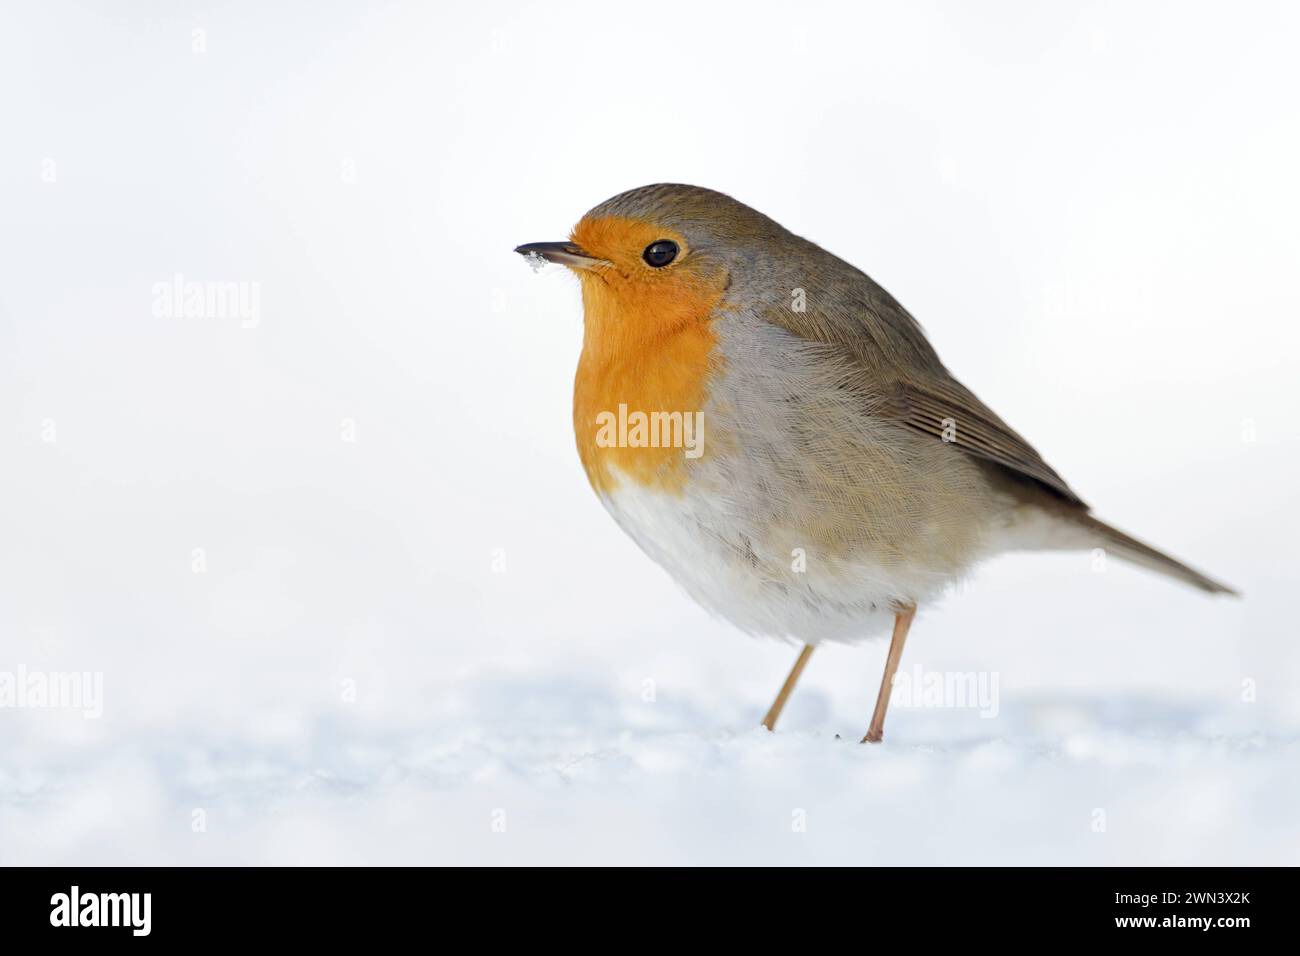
[{"x": 887, "y": 363}]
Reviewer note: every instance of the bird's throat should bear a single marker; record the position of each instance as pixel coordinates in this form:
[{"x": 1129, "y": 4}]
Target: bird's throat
[{"x": 642, "y": 381}]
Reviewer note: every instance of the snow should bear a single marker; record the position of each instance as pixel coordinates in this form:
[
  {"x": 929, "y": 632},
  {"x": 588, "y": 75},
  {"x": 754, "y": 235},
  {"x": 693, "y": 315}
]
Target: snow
[{"x": 551, "y": 769}]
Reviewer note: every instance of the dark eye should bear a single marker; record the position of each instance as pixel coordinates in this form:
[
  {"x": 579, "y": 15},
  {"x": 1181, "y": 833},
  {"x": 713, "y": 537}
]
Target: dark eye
[{"x": 660, "y": 253}]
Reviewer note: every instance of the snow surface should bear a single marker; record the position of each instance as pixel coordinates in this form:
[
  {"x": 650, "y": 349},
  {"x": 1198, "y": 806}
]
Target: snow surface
[{"x": 534, "y": 769}]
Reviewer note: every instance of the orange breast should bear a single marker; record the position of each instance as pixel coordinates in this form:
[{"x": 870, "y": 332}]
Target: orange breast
[{"x": 648, "y": 347}]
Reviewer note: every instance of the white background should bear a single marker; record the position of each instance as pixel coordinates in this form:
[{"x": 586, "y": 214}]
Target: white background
[{"x": 1091, "y": 207}]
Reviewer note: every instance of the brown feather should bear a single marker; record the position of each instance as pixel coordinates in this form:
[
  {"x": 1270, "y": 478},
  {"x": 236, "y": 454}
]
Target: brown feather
[
  {"x": 902, "y": 375},
  {"x": 947, "y": 409}
]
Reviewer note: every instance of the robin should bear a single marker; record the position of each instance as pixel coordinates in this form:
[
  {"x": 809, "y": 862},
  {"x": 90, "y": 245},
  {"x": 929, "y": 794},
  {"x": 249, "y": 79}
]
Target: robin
[{"x": 776, "y": 431}]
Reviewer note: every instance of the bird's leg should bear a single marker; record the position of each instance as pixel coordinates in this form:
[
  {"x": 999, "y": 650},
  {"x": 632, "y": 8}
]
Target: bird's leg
[
  {"x": 779, "y": 704},
  {"x": 902, "y": 621}
]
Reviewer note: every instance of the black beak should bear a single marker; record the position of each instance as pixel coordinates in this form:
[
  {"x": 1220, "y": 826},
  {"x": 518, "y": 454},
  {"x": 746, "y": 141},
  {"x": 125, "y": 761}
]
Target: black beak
[{"x": 563, "y": 253}]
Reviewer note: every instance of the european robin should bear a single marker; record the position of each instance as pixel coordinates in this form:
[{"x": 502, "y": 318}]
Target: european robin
[{"x": 776, "y": 431}]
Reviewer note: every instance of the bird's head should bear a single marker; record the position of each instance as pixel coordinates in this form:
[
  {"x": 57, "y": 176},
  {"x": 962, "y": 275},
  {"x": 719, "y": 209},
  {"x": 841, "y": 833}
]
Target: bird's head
[{"x": 655, "y": 259}]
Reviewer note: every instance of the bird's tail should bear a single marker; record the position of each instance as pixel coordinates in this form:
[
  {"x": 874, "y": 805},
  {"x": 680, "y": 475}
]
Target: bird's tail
[{"x": 1135, "y": 551}]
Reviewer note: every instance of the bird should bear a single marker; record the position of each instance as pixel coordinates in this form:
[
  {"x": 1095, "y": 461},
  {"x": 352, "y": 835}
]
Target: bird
[{"x": 776, "y": 431}]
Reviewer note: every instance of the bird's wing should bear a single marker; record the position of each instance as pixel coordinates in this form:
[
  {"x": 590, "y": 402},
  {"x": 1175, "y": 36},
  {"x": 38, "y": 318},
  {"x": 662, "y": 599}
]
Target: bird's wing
[
  {"x": 949, "y": 411},
  {"x": 899, "y": 369}
]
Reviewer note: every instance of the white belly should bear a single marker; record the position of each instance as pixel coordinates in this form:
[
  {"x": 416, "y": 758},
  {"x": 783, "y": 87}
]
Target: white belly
[{"x": 761, "y": 577}]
